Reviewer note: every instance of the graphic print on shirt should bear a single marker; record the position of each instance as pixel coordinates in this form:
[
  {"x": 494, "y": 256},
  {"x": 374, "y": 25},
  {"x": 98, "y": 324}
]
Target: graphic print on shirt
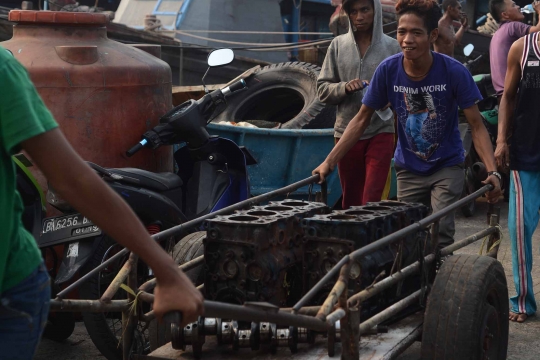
[{"x": 422, "y": 118}]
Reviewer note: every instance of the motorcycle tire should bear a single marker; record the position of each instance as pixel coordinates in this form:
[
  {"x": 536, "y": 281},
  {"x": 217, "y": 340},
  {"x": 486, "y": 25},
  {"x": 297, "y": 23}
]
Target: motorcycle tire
[
  {"x": 189, "y": 248},
  {"x": 105, "y": 329},
  {"x": 60, "y": 325},
  {"x": 285, "y": 93}
]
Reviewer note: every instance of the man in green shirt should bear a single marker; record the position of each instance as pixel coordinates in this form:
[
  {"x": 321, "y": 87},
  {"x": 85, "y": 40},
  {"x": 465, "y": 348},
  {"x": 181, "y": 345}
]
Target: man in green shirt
[{"x": 26, "y": 124}]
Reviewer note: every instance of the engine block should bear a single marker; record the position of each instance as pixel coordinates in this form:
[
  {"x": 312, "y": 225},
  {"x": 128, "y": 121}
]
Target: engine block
[
  {"x": 329, "y": 237},
  {"x": 256, "y": 254}
]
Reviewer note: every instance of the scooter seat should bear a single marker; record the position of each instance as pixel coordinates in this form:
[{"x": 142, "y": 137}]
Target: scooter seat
[{"x": 154, "y": 181}]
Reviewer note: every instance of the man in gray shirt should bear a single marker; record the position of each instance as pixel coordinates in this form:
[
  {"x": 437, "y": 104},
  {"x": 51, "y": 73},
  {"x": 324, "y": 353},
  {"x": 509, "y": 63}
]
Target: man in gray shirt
[{"x": 348, "y": 67}]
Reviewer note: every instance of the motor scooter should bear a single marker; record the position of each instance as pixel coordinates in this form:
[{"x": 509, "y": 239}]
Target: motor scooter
[{"x": 211, "y": 175}]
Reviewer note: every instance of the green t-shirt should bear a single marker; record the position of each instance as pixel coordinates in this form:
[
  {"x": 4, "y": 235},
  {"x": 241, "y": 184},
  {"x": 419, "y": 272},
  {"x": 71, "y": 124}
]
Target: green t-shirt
[{"x": 22, "y": 116}]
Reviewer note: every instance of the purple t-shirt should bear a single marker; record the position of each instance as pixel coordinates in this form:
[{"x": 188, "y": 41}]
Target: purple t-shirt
[
  {"x": 499, "y": 48},
  {"x": 427, "y": 111}
]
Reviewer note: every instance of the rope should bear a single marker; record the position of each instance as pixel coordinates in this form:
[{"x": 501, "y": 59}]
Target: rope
[
  {"x": 252, "y": 32},
  {"x": 236, "y": 42},
  {"x": 496, "y": 243},
  {"x": 132, "y": 308}
]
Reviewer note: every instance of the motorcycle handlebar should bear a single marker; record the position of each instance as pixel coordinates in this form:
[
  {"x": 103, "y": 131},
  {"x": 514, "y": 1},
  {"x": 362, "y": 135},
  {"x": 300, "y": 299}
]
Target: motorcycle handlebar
[
  {"x": 239, "y": 85},
  {"x": 136, "y": 148}
]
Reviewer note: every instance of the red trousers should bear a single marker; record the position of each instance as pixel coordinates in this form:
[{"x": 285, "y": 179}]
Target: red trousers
[{"x": 364, "y": 170}]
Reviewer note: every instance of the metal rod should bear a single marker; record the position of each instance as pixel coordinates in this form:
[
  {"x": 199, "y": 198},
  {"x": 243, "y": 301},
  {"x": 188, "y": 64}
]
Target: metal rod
[
  {"x": 468, "y": 240},
  {"x": 87, "y": 305},
  {"x": 129, "y": 317},
  {"x": 414, "y": 268},
  {"x": 306, "y": 310},
  {"x": 350, "y": 335},
  {"x": 117, "y": 281},
  {"x": 389, "y": 281},
  {"x": 244, "y": 313},
  {"x": 91, "y": 273},
  {"x": 335, "y": 293},
  {"x": 390, "y": 311},
  {"x": 179, "y": 228},
  {"x": 151, "y": 284},
  {"x": 495, "y": 213},
  {"x": 388, "y": 240},
  {"x": 334, "y": 316}
]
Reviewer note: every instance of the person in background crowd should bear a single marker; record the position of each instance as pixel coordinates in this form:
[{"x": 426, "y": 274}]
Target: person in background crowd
[
  {"x": 448, "y": 38},
  {"x": 349, "y": 65},
  {"x": 509, "y": 15}
]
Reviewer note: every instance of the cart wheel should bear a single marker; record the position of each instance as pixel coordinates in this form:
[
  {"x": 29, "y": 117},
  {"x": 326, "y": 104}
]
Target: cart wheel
[
  {"x": 467, "y": 311},
  {"x": 189, "y": 248}
]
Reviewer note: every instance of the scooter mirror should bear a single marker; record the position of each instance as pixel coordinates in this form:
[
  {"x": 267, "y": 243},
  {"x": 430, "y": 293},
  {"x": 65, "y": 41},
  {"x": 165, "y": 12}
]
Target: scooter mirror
[
  {"x": 220, "y": 57},
  {"x": 468, "y": 49}
]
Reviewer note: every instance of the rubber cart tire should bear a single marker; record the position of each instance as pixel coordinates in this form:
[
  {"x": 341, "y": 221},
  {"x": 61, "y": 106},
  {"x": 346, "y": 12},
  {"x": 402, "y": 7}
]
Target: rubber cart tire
[
  {"x": 284, "y": 93},
  {"x": 467, "y": 311},
  {"x": 189, "y": 248}
]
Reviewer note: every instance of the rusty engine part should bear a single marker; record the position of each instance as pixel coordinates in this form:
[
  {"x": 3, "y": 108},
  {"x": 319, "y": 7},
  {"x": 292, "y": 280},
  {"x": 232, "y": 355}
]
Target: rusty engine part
[
  {"x": 228, "y": 332},
  {"x": 329, "y": 237},
  {"x": 277, "y": 252},
  {"x": 256, "y": 254}
]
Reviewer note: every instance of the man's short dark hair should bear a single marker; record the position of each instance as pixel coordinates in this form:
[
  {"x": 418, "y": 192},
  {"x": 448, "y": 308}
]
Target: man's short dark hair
[
  {"x": 496, "y": 8},
  {"x": 449, "y": 3},
  {"x": 428, "y": 10},
  {"x": 347, "y": 4}
]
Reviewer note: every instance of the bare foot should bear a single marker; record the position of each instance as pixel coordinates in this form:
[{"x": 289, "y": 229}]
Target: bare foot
[{"x": 517, "y": 317}]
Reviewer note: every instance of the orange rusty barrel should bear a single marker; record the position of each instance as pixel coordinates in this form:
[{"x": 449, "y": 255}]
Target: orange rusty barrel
[{"x": 103, "y": 94}]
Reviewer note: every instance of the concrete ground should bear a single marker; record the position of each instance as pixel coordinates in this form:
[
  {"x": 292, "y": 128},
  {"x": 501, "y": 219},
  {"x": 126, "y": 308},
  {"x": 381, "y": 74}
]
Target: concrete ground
[{"x": 523, "y": 343}]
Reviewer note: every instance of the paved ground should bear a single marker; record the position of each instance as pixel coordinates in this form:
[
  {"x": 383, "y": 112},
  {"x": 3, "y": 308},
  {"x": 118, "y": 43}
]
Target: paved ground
[{"x": 523, "y": 338}]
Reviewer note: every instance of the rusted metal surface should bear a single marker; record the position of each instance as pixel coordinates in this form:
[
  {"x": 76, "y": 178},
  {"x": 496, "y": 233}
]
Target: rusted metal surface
[
  {"x": 390, "y": 311},
  {"x": 335, "y": 293},
  {"x": 129, "y": 316},
  {"x": 93, "y": 86},
  {"x": 494, "y": 215},
  {"x": 70, "y": 305},
  {"x": 118, "y": 280},
  {"x": 386, "y": 241},
  {"x": 389, "y": 281},
  {"x": 256, "y": 254},
  {"x": 468, "y": 240},
  {"x": 331, "y": 236}
]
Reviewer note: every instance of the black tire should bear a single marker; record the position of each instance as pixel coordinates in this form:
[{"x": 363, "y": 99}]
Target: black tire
[
  {"x": 189, "y": 248},
  {"x": 468, "y": 188},
  {"x": 467, "y": 311},
  {"x": 60, "y": 325},
  {"x": 105, "y": 330},
  {"x": 284, "y": 93}
]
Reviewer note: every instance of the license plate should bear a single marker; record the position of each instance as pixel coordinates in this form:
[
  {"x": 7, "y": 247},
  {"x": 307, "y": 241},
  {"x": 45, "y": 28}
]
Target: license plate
[{"x": 70, "y": 227}]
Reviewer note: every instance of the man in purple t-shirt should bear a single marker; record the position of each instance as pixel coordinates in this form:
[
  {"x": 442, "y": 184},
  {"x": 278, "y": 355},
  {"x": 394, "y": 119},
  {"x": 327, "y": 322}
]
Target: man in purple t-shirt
[{"x": 509, "y": 15}]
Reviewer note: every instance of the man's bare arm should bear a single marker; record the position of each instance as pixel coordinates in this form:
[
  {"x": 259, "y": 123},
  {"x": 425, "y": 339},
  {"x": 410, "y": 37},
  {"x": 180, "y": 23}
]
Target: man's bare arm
[
  {"x": 88, "y": 193},
  {"x": 355, "y": 129},
  {"x": 536, "y": 28},
  {"x": 484, "y": 148},
  {"x": 461, "y": 31},
  {"x": 508, "y": 102}
]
